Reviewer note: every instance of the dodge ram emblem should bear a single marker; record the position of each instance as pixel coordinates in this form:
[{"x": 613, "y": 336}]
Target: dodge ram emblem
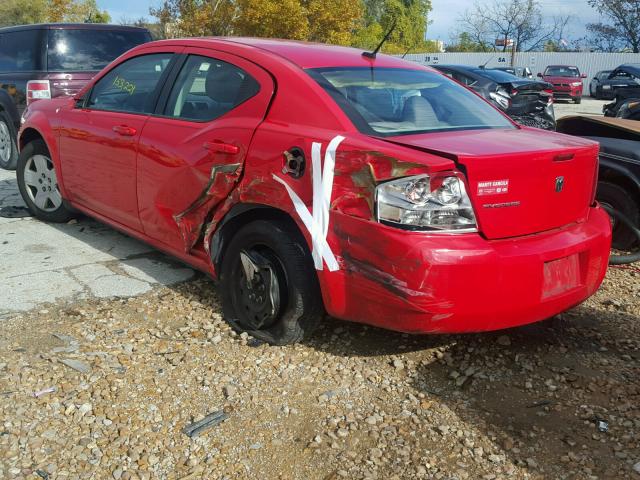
[{"x": 559, "y": 184}]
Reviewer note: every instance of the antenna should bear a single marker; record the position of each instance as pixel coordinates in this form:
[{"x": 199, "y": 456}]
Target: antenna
[
  {"x": 386, "y": 37},
  {"x": 487, "y": 62}
]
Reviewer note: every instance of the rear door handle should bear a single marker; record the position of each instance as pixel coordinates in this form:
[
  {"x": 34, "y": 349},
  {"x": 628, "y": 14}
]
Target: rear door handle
[
  {"x": 221, "y": 147},
  {"x": 124, "y": 130}
]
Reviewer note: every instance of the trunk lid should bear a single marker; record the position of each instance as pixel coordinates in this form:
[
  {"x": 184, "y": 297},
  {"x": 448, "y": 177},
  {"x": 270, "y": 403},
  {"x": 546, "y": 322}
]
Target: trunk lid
[
  {"x": 521, "y": 181},
  {"x": 68, "y": 84},
  {"x": 528, "y": 96}
]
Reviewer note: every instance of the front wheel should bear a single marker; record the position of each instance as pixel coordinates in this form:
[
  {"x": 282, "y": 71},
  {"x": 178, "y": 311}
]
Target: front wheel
[
  {"x": 578, "y": 100},
  {"x": 38, "y": 184},
  {"x": 268, "y": 284}
]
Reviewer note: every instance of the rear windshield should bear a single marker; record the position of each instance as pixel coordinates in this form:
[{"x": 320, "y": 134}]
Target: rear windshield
[
  {"x": 78, "y": 50},
  {"x": 500, "y": 76},
  {"x": 562, "y": 72},
  {"x": 393, "y": 101}
]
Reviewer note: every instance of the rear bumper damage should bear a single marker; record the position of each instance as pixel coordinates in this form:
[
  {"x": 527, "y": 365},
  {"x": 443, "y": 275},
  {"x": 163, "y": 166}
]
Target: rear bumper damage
[{"x": 419, "y": 283}]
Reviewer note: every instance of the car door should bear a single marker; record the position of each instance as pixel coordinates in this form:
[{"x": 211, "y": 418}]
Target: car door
[
  {"x": 99, "y": 136},
  {"x": 191, "y": 152}
]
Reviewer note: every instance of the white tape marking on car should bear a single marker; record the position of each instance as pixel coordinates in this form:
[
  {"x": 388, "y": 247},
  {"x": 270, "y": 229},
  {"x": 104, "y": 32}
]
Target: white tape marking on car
[{"x": 318, "y": 223}]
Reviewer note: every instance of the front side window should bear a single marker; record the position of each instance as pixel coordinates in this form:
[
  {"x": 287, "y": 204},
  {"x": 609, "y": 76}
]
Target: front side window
[
  {"x": 394, "y": 101},
  {"x": 562, "y": 72},
  {"x": 131, "y": 86},
  {"x": 207, "y": 88},
  {"x": 21, "y": 51},
  {"x": 75, "y": 50}
]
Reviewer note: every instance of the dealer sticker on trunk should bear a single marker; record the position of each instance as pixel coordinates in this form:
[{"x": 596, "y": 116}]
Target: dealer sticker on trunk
[{"x": 493, "y": 187}]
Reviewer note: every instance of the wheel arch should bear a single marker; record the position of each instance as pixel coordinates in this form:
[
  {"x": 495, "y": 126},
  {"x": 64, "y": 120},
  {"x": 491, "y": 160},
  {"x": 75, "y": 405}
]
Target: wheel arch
[
  {"x": 239, "y": 215},
  {"x": 620, "y": 176},
  {"x": 28, "y": 135}
]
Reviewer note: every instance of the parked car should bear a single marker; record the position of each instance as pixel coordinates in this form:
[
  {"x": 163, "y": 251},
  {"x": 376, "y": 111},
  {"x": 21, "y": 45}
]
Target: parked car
[
  {"x": 308, "y": 178},
  {"x": 527, "y": 102},
  {"x": 566, "y": 81},
  {"x": 626, "y": 102},
  {"x": 523, "y": 72},
  {"x": 595, "y": 85},
  {"x": 625, "y": 76},
  {"x": 50, "y": 60},
  {"x": 619, "y": 172}
]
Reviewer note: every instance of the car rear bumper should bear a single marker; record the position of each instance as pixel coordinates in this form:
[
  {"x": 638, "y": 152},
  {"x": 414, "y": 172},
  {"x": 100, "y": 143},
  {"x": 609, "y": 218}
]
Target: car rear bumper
[{"x": 420, "y": 283}]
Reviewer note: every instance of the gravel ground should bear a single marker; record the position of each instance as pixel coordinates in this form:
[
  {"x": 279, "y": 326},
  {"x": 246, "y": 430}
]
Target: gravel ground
[{"x": 555, "y": 400}]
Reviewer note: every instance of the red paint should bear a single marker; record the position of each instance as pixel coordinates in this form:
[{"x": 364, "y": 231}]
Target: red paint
[{"x": 152, "y": 178}]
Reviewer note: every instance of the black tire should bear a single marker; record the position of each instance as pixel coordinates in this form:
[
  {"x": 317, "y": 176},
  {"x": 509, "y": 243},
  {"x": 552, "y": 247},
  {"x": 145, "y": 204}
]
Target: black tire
[
  {"x": 61, "y": 214},
  {"x": 10, "y": 163},
  {"x": 297, "y": 309},
  {"x": 621, "y": 200},
  {"x": 578, "y": 100}
]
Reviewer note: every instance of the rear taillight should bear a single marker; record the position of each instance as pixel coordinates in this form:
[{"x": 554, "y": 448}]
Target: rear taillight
[
  {"x": 38, "y": 90},
  {"x": 550, "y": 93}
]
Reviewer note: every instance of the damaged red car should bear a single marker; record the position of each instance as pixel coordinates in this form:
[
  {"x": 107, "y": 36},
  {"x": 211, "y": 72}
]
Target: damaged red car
[{"x": 311, "y": 179}]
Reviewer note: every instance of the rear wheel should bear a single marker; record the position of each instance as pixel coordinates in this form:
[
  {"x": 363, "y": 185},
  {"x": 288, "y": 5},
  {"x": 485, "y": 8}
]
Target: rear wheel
[
  {"x": 268, "y": 284},
  {"x": 38, "y": 184},
  {"x": 8, "y": 148},
  {"x": 616, "y": 197}
]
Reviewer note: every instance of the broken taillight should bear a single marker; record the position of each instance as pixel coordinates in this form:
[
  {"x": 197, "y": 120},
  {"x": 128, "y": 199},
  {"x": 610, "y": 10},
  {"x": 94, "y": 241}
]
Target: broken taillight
[{"x": 38, "y": 90}]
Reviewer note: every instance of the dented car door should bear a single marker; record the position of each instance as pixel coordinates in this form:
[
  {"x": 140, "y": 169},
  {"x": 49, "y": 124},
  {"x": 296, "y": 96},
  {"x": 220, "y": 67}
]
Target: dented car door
[{"x": 192, "y": 151}]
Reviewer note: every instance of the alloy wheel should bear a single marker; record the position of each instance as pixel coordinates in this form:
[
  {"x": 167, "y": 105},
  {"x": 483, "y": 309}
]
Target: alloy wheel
[
  {"x": 6, "y": 143},
  {"x": 42, "y": 183}
]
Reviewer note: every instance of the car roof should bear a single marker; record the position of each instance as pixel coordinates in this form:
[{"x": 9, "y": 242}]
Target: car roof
[
  {"x": 568, "y": 66},
  {"x": 70, "y": 26},
  {"x": 303, "y": 54}
]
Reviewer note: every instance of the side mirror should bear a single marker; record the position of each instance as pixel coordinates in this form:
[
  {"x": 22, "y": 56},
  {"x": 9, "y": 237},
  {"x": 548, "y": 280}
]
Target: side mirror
[
  {"x": 539, "y": 75},
  {"x": 584, "y": 75}
]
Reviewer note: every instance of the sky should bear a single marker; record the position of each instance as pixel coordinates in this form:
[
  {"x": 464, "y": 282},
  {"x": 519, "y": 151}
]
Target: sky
[
  {"x": 446, "y": 12},
  {"x": 443, "y": 16}
]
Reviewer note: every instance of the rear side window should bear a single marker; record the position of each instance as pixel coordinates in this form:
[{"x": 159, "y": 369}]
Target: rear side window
[
  {"x": 21, "y": 51},
  {"x": 131, "y": 86},
  {"x": 207, "y": 88},
  {"x": 394, "y": 101},
  {"x": 78, "y": 50}
]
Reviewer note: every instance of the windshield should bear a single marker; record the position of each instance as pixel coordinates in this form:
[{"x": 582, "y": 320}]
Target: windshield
[
  {"x": 562, "y": 72},
  {"x": 393, "y": 101},
  {"x": 78, "y": 50}
]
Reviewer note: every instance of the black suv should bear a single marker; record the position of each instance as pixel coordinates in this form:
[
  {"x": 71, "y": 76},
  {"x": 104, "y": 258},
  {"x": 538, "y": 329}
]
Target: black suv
[{"x": 51, "y": 60}]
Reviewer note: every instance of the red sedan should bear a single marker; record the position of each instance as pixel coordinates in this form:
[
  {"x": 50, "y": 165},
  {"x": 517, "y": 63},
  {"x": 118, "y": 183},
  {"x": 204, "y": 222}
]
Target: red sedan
[{"x": 311, "y": 179}]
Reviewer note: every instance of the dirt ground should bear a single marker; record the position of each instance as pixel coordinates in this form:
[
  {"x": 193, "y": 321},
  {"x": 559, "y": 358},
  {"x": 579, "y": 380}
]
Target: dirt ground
[{"x": 555, "y": 400}]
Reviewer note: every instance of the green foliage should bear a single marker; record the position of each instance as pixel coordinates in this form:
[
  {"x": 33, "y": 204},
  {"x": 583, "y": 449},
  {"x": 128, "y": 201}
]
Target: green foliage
[
  {"x": 464, "y": 43},
  {"x": 22, "y": 12},
  {"x": 360, "y": 23}
]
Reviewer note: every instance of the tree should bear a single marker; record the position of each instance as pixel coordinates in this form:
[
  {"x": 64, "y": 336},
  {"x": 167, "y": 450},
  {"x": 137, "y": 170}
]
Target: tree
[
  {"x": 464, "y": 43},
  {"x": 264, "y": 18},
  {"x": 623, "y": 28},
  {"x": 520, "y": 21},
  {"x": 21, "y": 12},
  {"x": 409, "y": 16}
]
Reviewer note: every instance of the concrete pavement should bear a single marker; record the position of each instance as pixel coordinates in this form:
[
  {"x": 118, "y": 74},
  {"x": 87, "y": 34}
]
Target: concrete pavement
[{"x": 42, "y": 263}]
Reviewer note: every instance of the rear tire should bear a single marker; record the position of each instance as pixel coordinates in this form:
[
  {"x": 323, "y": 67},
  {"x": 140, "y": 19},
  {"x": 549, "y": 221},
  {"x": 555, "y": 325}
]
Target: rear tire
[
  {"x": 621, "y": 200},
  {"x": 8, "y": 148},
  {"x": 268, "y": 284},
  {"x": 38, "y": 184}
]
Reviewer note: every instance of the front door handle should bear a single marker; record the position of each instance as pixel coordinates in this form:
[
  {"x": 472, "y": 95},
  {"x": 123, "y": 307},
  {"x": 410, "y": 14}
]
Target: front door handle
[
  {"x": 124, "y": 130},
  {"x": 221, "y": 147}
]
